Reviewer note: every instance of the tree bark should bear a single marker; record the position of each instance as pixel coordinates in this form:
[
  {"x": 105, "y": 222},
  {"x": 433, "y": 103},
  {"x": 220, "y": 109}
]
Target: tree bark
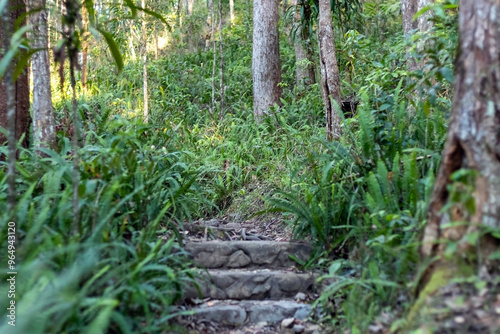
[
  {"x": 214, "y": 50},
  {"x": 330, "y": 79},
  {"x": 473, "y": 137},
  {"x": 20, "y": 89},
  {"x": 85, "y": 48},
  {"x": 408, "y": 10},
  {"x": 157, "y": 49},
  {"x": 44, "y": 124},
  {"x": 131, "y": 41},
  {"x": 423, "y": 22},
  {"x": 266, "y": 68},
  {"x": 231, "y": 10},
  {"x": 304, "y": 63},
  {"x": 221, "y": 49},
  {"x": 144, "y": 63}
]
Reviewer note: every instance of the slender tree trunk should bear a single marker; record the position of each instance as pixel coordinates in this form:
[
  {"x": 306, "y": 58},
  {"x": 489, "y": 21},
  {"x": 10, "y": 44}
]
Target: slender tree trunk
[
  {"x": 144, "y": 63},
  {"x": 473, "y": 141},
  {"x": 157, "y": 51},
  {"x": 214, "y": 50},
  {"x": 131, "y": 41},
  {"x": 266, "y": 68},
  {"x": 189, "y": 7},
  {"x": 44, "y": 125},
  {"x": 330, "y": 79},
  {"x": 304, "y": 63},
  {"x": 231, "y": 10},
  {"x": 85, "y": 49},
  {"x": 221, "y": 49}
]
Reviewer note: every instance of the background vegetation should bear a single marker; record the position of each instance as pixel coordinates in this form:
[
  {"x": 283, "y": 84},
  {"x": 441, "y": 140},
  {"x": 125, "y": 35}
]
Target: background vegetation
[{"x": 362, "y": 200}]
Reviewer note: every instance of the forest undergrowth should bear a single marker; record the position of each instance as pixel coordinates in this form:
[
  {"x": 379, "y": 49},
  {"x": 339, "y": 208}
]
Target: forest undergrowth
[{"x": 362, "y": 199}]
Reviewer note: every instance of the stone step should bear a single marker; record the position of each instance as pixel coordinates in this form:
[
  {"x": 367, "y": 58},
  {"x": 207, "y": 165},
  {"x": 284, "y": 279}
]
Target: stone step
[
  {"x": 251, "y": 284},
  {"x": 247, "y": 312},
  {"x": 247, "y": 254}
]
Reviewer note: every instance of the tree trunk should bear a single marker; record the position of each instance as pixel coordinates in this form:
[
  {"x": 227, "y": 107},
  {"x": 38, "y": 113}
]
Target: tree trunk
[
  {"x": 231, "y": 10},
  {"x": 221, "y": 49},
  {"x": 131, "y": 41},
  {"x": 304, "y": 63},
  {"x": 330, "y": 79},
  {"x": 85, "y": 48},
  {"x": 423, "y": 23},
  {"x": 189, "y": 7},
  {"x": 214, "y": 50},
  {"x": 157, "y": 50},
  {"x": 144, "y": 63},
  {"x": 409, "y": 9},
  {"x": 44, "y": 124},
  {"x": 20, "y": 89},
  {"x": 266, "y": 68},
  {"x": 473, "y": 138}
]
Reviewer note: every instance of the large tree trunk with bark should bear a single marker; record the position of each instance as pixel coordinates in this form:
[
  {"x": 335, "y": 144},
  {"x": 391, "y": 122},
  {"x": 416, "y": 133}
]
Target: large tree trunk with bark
[
  {"x": 304, "y": 63},
  {"x": 266, "y": 68},
  {"x": 44, "y": 124},
  {"x": 14, "y": 98},
  {"x": 473, "y": 141},
  {"x": 330, "y": 79},
  {"x": 423, "y": 22},
  {"x": 408, "y": 10},
  {"x": 20, "y": 89}
]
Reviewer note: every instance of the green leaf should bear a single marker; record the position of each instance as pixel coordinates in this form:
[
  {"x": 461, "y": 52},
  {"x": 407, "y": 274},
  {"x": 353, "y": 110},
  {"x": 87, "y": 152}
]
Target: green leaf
[
  {"x": 22, "y": 62},
  {"x": 113, "y": 47},
  {"x": 494, "y": 256},
  {"x": 421, "y": 12},
  {"x": 427, "y": 108},
  {"x": 447, "y": 74}
]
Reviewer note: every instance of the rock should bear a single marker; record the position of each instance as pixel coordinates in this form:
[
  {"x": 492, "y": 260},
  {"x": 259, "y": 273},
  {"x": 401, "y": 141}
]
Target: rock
[
  {"x": 312, "y": 329},
  {"x": 238, "y": 260},
  {"x": 216, "y": 254},
  {"x": 302, "y": 313},
  {"x": 287, "y": 323},
  {"x": 248, "y": 312},
  {"x": 224, "y": 314},
  {"x": 300, "y": 297},
  {"x": 254, "y": 285},
  {"x": 298, "y": 328}
]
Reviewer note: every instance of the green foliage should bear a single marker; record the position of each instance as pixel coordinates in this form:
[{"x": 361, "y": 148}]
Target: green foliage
[
  {"x": 116, "y": 274},
  {"x": 362, "y": 199}
]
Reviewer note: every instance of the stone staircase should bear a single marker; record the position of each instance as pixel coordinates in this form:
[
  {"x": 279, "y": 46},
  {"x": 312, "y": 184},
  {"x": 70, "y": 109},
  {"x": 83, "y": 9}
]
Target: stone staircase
[{"x": 243, "y": 283}]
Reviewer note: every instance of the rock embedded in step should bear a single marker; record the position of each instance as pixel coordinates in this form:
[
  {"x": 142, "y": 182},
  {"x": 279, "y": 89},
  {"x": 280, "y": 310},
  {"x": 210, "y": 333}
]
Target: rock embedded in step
[
  {"x": 300, "y": 297},
  {"x": 208, "y": 260},
  {"x": 287, "y": 323},
  {"x": 298, "y": 329},
  {"x": 224, "y": 314},
  {"x": 302, "y": 313},
  {"x": 239, "y": 260}
]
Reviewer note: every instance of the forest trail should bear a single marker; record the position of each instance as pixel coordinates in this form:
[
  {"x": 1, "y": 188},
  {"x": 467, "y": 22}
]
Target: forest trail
[{"x": 248, "y": 283}]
